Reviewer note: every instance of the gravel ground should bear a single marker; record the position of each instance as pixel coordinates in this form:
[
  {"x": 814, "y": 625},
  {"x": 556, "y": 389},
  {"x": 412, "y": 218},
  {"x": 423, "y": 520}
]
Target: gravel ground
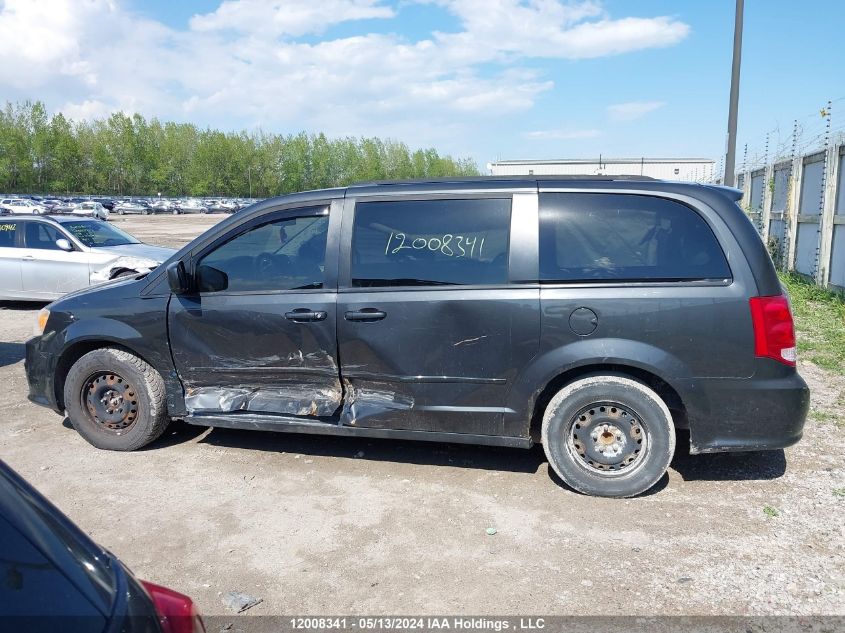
[{"x": 316, "y": 525}]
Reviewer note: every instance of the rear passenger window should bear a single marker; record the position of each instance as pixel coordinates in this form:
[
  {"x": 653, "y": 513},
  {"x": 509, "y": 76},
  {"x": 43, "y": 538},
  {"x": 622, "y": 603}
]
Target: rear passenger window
[
  {"x": 42, "y": 236},
  {"x": 616, "y": 237},
  {"x": 431, "y": 242},
  {"x": 7, "y": 234}
]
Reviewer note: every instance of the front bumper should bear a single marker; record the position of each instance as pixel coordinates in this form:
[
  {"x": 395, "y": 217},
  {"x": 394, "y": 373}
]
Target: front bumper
[
  {"x": 766, "y": 412},
  {"x": 40, "y": 370}
]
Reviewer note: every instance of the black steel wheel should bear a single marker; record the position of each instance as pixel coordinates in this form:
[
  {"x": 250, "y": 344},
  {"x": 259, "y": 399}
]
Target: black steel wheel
[
  {"x": 115, "y": 400},
  {"x": 110, "y": 400},
  {"x": 607, "y": 438},
  {"x": 608, "y": 435}
]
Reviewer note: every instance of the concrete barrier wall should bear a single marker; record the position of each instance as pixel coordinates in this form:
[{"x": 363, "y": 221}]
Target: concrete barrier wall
[{"x": 798, "y": 206}]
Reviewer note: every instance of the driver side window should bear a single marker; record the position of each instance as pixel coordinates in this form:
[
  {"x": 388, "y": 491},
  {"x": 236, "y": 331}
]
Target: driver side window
[{"x": 285, "y": 254}]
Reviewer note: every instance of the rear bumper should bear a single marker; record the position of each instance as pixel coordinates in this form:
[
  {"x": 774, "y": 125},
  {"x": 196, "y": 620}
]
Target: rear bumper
[
  {"x": 40, "y": 369},
  {"x": 753, "y": 414}
]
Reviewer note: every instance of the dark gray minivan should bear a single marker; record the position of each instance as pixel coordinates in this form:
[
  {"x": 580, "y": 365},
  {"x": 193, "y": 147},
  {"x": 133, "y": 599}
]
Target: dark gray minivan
[{"x": 594, "y": 314}]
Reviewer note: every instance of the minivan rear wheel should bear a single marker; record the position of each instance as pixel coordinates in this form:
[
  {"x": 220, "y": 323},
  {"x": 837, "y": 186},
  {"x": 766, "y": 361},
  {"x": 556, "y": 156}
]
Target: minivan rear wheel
[
  {"x": 608, "y": 436},
  {"x": 115, "y": 400}
]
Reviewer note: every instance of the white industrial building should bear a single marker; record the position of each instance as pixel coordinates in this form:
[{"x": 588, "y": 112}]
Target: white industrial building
[{"x": 689, "y": 169}]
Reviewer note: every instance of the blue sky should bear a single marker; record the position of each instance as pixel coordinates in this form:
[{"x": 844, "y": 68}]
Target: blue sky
[{"x": 486, "y": 79}]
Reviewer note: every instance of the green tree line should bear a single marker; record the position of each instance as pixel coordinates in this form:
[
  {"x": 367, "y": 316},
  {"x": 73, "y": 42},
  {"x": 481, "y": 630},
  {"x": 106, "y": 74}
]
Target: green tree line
[{"x": 130, "y": 155}]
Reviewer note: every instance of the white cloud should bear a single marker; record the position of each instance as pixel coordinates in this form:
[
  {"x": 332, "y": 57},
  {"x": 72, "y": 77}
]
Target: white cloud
[
  {"x": 86, "y": 110},
  {"x": 287, "y": 17},
  {"x": 562, "y": 135},
  {"x": 632, "y": 110},
  {"x": 246, "y": 63},
  {"x": 551, "y": 29}
]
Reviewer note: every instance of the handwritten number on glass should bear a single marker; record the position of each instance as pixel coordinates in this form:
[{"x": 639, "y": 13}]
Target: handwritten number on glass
[{"x": 448, "y": 244}]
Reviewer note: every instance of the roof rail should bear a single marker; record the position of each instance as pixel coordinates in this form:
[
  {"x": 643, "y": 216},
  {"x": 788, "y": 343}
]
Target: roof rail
[{"x": 457, "y": 179}]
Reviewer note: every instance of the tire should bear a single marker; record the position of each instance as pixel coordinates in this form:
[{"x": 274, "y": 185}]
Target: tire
[
  {"x": 608, "y": 436},
  {"x": 110, "y": 371}
]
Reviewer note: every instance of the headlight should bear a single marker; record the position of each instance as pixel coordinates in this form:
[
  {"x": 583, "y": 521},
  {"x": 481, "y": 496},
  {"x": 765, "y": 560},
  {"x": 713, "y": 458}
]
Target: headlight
[{"x": 41, "y": 323}]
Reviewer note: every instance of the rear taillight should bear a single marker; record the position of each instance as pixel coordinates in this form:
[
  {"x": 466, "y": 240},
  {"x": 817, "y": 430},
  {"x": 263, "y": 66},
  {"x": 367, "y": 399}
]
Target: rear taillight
[
  {"x": 774, "y": 331},
  {"x": 177, "y": 613}
]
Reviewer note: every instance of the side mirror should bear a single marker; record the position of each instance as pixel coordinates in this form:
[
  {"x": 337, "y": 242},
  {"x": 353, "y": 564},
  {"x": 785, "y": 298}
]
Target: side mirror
[
  {"x": 63, "y": 244},
  {"x": 210, "y": 279},
  {"x": 178, "y": 278}
]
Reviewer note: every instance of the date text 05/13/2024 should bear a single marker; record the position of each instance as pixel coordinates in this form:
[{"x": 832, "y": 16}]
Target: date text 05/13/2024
[{"x": 429, "y": 623}]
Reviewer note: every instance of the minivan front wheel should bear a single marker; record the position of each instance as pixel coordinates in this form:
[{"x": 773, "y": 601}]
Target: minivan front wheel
[
  {"x": 608, "y": 436},
  {"x": 115, "y": 400}
]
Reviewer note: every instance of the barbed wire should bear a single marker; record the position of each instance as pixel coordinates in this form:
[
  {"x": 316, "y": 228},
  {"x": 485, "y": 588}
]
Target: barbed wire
[{"x": 778, "y": 144}]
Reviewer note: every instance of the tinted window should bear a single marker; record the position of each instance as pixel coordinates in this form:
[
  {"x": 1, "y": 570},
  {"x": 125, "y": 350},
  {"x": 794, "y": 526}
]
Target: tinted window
[
  {"x": 610, "y": 237},
  {"x": 42, "y": 236},
  {"x": 7, "y": 233},
  {"x": 282, "y": 255},
  {"x": 430, "y": 242}
]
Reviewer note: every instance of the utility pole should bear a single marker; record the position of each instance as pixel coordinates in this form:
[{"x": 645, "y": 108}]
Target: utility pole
[{"x": 730, "y": 159}]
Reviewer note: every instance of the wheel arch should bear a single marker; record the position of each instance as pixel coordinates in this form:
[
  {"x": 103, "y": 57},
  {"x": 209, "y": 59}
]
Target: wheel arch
[
  {"x": 661, "y": 387},
  {"x": 549, "y": 371},
  {"x": 119, "y": 270}
]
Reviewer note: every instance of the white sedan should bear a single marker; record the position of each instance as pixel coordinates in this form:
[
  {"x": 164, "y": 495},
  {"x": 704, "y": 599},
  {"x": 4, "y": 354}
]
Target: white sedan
[
  {"x": 22, "y": 205},
  {"x": 43, "y": 258},
  {"x": 91, "y": 209}
]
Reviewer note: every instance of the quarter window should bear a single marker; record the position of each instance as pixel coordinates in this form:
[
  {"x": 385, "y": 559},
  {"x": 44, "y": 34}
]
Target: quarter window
[
  {"x": 284, "y": 254},
  {"x": 431, "y": 243},
  {"x": 617, "y": 237}
]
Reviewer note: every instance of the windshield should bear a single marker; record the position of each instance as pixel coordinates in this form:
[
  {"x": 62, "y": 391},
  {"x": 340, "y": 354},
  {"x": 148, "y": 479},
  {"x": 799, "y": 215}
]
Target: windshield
[{"x": 95, "y": 234}]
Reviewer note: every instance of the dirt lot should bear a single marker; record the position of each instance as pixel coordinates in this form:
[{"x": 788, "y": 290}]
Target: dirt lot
[{"x": 315, "y": 525}]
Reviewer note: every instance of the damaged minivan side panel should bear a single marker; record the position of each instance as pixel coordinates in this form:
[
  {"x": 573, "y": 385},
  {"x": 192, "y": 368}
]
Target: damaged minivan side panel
[
  {"x": 264, "y": 339},
  {"x": 314, "y": 394},
  {"x": 240, "y": 353}
]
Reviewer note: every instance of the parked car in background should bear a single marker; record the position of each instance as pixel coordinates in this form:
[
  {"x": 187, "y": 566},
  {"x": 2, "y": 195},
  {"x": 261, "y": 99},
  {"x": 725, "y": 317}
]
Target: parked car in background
[
  {"x": 595, "y": 314},
  {"x": 55, "y": 578},
  {"x": 50, "y": 203},
  {"x": 213, "y": 205},
  {"x": 163, "y": 206},
  {"x": 216, "y": 205},
  {"x": 46, "y": 257},
  {"x": 22, "y": 206},
  {"x": 108, "y": 203},
  {"x": 91, "y": 209},
  {"x": 191, "y": 206},
  {"x": 63, "y": 207},
  {"x": 127, "y": 206}
]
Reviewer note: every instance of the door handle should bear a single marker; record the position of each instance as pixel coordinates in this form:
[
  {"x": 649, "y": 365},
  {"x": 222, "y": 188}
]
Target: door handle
[
  {"x": 304, "y": 315},
  {"x": 27, "y": 258},
  {"x": 367, "y": 315}
]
